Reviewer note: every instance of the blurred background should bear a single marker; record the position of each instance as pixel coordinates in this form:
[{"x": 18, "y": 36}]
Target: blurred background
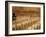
[{"x": 24, "y": 18}]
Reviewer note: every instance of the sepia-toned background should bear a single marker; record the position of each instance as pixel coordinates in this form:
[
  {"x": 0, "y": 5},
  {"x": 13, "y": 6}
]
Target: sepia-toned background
[{"x": 25, "y": 18}]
